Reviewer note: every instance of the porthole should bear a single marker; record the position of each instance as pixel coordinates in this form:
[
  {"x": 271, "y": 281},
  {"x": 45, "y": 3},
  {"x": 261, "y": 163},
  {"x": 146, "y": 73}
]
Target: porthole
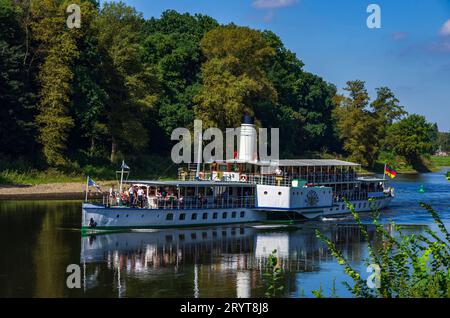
[
  {"x": 118, "y": 215},
  {"x": 265, "y": 192},
  {"x": 142, "y": 215},
  {"x": 127, "y": 215},
  {"x": 279, "y": 193}
]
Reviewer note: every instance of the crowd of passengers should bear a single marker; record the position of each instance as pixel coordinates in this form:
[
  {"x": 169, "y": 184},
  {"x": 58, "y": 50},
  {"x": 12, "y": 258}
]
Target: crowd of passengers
[{"x": 136, "y": 197}]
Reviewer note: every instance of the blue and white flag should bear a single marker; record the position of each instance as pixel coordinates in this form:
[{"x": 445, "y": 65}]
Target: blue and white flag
[
  {"x": 124, "y": 165},
  {"x": 91, "y": 183}
]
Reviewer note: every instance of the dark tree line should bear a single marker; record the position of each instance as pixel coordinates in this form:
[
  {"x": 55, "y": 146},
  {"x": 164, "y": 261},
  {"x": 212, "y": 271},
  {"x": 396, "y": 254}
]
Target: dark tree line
[{"x": 120, "y": 84}]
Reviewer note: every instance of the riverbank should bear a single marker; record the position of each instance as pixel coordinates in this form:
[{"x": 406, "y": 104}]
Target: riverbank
[{"x": 50, "y": 191}]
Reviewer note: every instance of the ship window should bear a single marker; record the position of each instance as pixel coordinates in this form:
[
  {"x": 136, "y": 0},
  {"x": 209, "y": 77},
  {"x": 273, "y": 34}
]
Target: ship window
[
  {"x": 169, "y": 217},
  {"x": 169, "y": 238},
  {"x": 183, "y": 216},
  {"x": 214, "y": 234},
  {"x": 215, "y": 215},
  {"x": 204, "y": 235},
  {"x": 181, "y": 237},
  {"x": 343, "y": 207},
  {"x": 224, "y": 215},
  {"x": 194, "y": 236},
  {"x": 127, "y": 215},
  {"x": 233, "y": 215},
  {"x": 242, "y": 214},
  {"x": 205, "y": 216},
  {"x": 224, "y": 233},
  {"x": 194, "y": 216}
]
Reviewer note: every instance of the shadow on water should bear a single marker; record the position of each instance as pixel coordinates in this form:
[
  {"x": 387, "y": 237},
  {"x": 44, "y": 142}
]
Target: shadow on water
[{"x": 38, "y": 241}]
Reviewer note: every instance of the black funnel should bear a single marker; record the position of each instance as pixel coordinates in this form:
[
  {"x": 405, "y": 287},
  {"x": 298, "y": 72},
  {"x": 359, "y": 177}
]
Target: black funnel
[{"x": 247, "y": 119}]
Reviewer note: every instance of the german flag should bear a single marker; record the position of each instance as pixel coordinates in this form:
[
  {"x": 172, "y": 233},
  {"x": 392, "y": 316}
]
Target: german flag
[{"x": 391, "y": 173}]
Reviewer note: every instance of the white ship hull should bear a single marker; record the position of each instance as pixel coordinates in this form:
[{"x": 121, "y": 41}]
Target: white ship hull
[
  {"x": 128, "y": 218},
  {"x": 111, "y": 219}
]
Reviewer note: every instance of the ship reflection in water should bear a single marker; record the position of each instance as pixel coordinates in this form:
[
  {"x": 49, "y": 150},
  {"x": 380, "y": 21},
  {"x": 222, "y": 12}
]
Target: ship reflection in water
[{"x": 218, "y": 262}]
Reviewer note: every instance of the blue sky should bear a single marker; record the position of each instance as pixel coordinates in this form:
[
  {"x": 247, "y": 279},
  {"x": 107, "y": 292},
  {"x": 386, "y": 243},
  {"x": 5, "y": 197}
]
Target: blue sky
[{"x": 410, "y": 53}]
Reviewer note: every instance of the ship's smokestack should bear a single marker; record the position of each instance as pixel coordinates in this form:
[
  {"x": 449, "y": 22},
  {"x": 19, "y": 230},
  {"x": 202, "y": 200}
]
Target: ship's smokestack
[{"x": 248, "y": 139}]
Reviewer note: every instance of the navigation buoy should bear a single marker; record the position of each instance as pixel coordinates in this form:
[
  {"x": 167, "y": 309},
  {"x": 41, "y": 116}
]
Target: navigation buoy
[{"x": 422, "y": 189}]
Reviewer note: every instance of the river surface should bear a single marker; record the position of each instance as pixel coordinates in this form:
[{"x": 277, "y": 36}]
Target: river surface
[{"x": 39, "y": 239}]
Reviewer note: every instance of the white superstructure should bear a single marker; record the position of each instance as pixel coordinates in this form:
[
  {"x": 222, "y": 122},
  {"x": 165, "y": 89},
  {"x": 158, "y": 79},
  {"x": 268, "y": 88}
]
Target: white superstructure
[{"x": 240, "y": 190}]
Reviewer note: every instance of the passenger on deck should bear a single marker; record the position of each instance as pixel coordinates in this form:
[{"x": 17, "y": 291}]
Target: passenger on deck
[
  {"x": 131, "y": 196},
  {"x": 140, "y": 194}
]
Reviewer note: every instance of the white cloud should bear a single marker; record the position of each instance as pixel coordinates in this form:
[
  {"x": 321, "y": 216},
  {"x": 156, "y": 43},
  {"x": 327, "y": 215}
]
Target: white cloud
[
  {"x": 272, "y": 4},
  {"x": 445, "y": 29}
]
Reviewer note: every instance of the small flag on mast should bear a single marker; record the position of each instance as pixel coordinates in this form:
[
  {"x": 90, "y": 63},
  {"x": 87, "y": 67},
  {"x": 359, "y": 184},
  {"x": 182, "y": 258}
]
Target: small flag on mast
[
  {"x": 92, "y": 183},
  {"x": 124, "y": 165},
  {"x": 391, "y": 173}
]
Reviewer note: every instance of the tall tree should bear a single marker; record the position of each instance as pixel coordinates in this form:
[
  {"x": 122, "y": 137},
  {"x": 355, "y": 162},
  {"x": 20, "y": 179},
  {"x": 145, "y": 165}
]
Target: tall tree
[
  {"x": 387, "y": 110},
  {"x": 233, "y": 76},
  {"x": 172, "y": 44},
  {"x": 58, "y": 48},
  {"x": 412, "y": 137},
  {"x": 132, "y": 86},
  {"x": 357, "y": 126},
  {"x": 17, "y": 95}
]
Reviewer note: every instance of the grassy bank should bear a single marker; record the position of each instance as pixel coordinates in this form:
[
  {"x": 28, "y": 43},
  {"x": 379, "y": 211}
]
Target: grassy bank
[
  {"x": 148, "y": 167},
  {"x": 440, "y": 161}
]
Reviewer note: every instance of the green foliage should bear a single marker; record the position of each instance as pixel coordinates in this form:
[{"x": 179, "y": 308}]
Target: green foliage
[
  {"x": 443, "y": 141},
  {"x": 17, "y": 96},
  {"x": 119, "y": 85},
  {"x": 273, "y": 276},
  {"x": 412, "y": 137},
  {"x": 131, "y": 85},
  {"x": 233, "y": 76},
  {"x": 411, "y": 265},
  {"x": 357, "y": 126}
]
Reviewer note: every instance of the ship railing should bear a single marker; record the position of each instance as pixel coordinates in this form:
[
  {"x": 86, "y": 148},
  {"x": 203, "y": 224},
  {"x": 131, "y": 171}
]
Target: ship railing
[
  {"x": 207, "y": 202},
  {"x": 272, "y": 179}
]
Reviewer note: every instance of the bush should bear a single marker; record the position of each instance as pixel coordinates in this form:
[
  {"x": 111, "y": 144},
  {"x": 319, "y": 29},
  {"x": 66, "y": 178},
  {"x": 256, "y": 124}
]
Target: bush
[{"x": 411, "y": 265}]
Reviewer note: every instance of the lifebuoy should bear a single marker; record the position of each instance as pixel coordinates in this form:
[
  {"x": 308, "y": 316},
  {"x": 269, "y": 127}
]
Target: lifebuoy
[{"x": 243, "y": 178}]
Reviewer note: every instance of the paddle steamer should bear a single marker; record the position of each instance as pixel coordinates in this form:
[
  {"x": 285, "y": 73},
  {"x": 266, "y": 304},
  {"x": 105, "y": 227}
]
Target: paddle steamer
[{"x": 242, "y": 190}]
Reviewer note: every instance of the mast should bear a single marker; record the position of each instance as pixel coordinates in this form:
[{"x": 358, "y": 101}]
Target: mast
[
  {"x": 199, "y": 154},
  {"x": 87, "y": 189},
  {"x": 121, "y": 179}
]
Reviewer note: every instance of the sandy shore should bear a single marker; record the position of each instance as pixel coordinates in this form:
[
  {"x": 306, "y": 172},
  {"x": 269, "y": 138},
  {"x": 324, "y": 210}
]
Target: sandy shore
[{"x": 49, "y": 191}]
